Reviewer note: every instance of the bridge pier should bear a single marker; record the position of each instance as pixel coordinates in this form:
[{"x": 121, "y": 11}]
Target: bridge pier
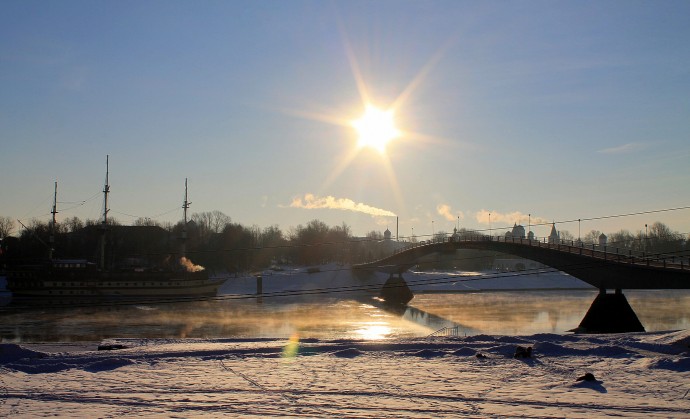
[
  {"x": 259, "y": 289},
  {"x": 395, "y": 291},
  {"x": 610, "y": 313}
]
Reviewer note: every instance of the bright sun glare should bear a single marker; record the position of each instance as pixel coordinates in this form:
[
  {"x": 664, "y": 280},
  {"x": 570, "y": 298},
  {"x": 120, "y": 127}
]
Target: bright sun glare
[{"x": 376, "y": 128}]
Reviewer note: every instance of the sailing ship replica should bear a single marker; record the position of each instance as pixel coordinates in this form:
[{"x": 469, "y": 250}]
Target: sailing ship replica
[{"x": 74, "y": 280}]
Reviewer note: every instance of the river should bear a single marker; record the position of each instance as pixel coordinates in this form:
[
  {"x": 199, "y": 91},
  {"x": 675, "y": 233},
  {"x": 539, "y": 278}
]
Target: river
[{"x": 469, "y": 313}]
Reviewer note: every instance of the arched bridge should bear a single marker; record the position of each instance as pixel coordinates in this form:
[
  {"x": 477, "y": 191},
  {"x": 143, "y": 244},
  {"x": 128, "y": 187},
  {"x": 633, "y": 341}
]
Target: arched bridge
[{"x": 604, "y": 267}]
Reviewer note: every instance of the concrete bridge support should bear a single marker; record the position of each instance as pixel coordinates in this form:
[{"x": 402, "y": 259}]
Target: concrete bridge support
[
  {"x": 395, "y": 291},
  {"x": 610, "y": 313}
]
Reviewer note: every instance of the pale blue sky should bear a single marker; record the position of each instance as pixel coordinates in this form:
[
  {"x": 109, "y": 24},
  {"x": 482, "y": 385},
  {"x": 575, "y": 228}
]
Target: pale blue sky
[{"x": 562, "y": 110}]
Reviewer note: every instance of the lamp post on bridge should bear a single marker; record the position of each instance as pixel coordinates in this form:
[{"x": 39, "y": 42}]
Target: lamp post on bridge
[
  {"x": 529, "y": 224},
  {"x": 578, "y": 230},
  {"x": 432, "y": 229},
  {"x": 490, "y": 232}
]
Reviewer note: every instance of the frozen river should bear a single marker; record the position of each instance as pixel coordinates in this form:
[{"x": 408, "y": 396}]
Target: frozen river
[{"x": 473, "y": 313}]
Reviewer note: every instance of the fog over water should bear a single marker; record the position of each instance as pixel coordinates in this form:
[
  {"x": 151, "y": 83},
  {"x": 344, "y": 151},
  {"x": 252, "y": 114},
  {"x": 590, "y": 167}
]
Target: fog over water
[{"x": 506, "y": 313}]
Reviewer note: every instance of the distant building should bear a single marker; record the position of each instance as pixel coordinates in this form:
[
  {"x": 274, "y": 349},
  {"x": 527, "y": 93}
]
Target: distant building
[
  {"x": 518, "y": 232},
  {"x": 602, "y": 239},
  {"x": 387, "y": 246},
  {"x": 554, "y": 236}
]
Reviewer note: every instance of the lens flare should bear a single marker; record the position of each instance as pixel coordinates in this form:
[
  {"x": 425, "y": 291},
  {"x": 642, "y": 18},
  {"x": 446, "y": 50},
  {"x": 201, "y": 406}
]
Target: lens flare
[{"x": 292, "y": 348}]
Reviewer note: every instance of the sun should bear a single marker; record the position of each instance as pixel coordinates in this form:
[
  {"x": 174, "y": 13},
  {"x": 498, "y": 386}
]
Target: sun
[{"x": 376, "y": 128}]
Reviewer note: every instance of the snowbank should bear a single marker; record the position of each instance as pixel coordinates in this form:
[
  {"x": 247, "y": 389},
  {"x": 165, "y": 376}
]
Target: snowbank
[
  {"x": 337, "y": 279},
  {"x": 424, "y": 282},
  {"x": 633, "y": 375}
]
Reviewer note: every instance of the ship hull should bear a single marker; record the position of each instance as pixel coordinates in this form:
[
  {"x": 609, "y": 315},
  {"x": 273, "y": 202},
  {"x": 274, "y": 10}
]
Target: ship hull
[{"x": 77, "y": 283}]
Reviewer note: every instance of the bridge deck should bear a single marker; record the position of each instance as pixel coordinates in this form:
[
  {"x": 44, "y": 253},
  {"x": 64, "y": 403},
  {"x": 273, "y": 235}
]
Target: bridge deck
[{"x": 600, "y": 266}]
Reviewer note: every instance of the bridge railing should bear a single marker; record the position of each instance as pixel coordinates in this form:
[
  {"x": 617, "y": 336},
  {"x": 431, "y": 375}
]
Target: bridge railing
[
  {"x": 446, "y": 331},
  {"x": 606, "y": 252}
]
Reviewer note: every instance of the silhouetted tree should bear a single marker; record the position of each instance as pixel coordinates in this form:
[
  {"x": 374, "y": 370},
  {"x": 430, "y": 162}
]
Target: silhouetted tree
[
  {"x": 440, "y": 235},
  {"x": 565, "y": 235},
  {"x": 236, "y": 248},
  {"x": 592, "y": 236},
  {"x": 623, "y": 239},
  {"x": 272, "y": 247},
  {"x": 211, "y": 222},
  {"x": 658, "y": 238},
  {"x": 317, "y": 243},
  {"x": 662, "y": 239},
  {"x": 374, "y": 235},
  {"x": 73, "y": 224},
  {"x": 6, "y": 226},
  {"x": 145, "y": 221},
  {"x": 465, "y": 234}
]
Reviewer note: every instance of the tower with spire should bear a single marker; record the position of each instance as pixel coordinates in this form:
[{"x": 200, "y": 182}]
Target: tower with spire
[{"x": 554, "y": 236}]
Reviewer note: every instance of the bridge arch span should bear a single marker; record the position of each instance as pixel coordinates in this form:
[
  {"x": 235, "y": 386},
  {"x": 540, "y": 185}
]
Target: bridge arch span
[{"x": 596, "y": 265}]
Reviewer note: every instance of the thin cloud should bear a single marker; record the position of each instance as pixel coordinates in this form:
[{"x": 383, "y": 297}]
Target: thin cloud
[
  {"x": 622, "y": 149},
  {"x": 311, "y": 201},
  {"x": 447, "y": 213},
  {"x": 518, "y": 217}
]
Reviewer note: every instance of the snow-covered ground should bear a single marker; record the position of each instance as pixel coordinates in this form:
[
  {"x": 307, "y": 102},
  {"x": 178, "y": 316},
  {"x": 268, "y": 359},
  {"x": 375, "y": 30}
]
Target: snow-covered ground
[
  {"x": 336, "y": 279},
  {"x": 535, "y": 279},
  {"x": 636, "y": 375}
]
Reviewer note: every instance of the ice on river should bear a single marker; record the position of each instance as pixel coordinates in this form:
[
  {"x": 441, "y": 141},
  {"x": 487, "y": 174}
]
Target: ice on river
[{"x": 636, "y": 375}]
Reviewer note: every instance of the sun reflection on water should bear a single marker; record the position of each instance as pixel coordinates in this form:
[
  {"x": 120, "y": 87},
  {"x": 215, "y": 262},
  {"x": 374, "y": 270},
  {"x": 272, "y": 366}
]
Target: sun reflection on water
[{"x": 374, "y": 331}]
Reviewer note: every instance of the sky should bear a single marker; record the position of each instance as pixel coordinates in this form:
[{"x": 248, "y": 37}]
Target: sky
[{"x": 533, "y": 112}]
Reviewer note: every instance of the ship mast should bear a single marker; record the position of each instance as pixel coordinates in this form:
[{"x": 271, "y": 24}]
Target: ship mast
[
  {"x": 51, "y": 238},
  {"x": 104, "y": 224},
  {"x": 185, "y": 206}
]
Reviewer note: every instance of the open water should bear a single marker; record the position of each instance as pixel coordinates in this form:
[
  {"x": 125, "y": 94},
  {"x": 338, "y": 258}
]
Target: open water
[{"x": 496, "y": 313}]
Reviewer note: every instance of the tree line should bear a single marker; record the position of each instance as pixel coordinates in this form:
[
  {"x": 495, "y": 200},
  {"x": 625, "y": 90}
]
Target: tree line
[
  {"x": 213, "y": 240},
  {"x": 657, "y": 238}
]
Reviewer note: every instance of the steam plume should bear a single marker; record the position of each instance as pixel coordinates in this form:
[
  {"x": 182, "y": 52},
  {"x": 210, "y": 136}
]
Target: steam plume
[
  {"x": 314, "y": 202},
  {"x": 446, "y": 211},
  {"x": 190, "y": 266}
]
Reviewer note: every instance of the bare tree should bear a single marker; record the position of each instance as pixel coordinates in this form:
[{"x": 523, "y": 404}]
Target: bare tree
[
  {"x": 662, "y": 239},
  {"x": 6, "y": 226},
  {"x": 441, "y": 235},
  {"x": 73, "y": 224},
  {"x": 567, "y": 236},
  {"x": 145, "y": 221},
  {"x": 218, "y": 221},
  {"x": 622, "y": 239},
  {"x": 663, "y": 232},
  {"x": 167, "y": 225},
  {"x": 374, "y": 235},
  {"x": 592, "y": 236},
  {"x": 210, "y": 222}
]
